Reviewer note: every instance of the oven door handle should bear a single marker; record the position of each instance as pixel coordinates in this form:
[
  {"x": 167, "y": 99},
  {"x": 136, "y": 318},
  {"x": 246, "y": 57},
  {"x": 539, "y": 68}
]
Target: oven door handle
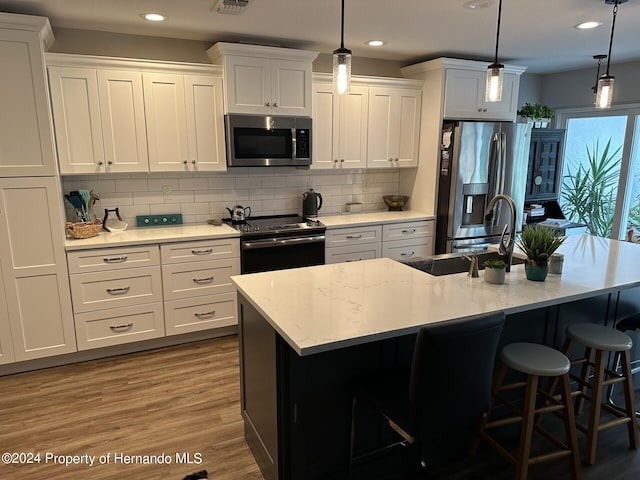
[{"x": 281, "y": 242}]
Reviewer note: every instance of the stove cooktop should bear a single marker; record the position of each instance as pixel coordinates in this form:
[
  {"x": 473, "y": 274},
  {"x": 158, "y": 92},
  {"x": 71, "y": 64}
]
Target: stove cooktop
[{"x": 276, "y": 225}]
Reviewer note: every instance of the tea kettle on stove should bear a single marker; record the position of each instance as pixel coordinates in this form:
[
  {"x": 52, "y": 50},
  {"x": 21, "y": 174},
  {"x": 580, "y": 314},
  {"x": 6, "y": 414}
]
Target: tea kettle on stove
[
  {"x": 239, "y": 214},
  {"x": 311, "y": 203}
]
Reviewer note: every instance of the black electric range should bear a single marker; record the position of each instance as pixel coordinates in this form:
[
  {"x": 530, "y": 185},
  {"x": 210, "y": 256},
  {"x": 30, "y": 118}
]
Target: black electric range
[{"x": 278, "y": 242}]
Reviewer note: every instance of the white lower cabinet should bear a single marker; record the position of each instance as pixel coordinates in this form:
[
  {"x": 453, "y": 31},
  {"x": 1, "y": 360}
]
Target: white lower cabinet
[
  {"x": 201, "y": 313},
  {"x": 405, "y": 249},
  {"x": 401, "y": 241},
  {"x": 353, "y": 253}
]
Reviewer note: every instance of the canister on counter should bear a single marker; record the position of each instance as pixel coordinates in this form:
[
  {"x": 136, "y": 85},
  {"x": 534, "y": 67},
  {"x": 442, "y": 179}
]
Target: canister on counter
[{"x": 555, "y": 263}]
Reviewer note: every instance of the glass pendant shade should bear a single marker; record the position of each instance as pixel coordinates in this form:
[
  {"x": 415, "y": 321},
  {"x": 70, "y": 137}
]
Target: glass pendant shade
[
  {"x": 605, "y": 91},
  {"x": 342, "y": 71},
  {"x": 495, "y": 74}
]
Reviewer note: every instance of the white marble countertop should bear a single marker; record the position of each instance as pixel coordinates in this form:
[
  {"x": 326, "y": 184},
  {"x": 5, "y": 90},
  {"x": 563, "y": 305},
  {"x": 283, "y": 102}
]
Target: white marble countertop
[
  {"x": 142, "y": 236},
  {"x": 322, "y": 308},
  {"x": 355, "y": 219}
]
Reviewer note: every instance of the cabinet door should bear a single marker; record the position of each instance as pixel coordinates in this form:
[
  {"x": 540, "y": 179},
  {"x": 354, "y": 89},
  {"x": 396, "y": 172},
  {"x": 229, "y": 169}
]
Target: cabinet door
[
  {"x": 507, "y": 108},
  {"x": 6, "y": 344},
  {"x": 25, "y": 127},
  {"x": 205, "y": 123},
  {"x": 123, "y": 124},
  {"x": 351, "y": 137},
  {"x": 166, "y": 122},
  {"x": 408, "y": 125},
  {"x": 462, "y": 93},
  {"x": 34, "y": 268},
  {"x": 325, "y": 125},
  {"x": 76, "y": 115},
  {"x": 291, "y": 88},
  {"x": 248, "y": 84}
]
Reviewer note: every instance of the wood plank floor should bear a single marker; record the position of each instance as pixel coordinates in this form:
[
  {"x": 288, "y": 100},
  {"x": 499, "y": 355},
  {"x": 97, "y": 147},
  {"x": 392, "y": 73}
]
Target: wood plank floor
[
  {"x": 175, "y": 400},
  {"x": 186, "y": 400}
]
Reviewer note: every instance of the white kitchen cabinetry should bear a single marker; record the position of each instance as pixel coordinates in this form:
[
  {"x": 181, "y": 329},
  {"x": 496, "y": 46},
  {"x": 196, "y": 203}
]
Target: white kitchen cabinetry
[
  {"x": 99, "y": 120},
  {"x": 339, "y": 127},
  {"x": 198, "y": 291},
  {"x": 184, "y": 122},
  {"x": 353, "y": 244},
  {"x": 6, "y": 344},
  {"x": 394, "y": 127},
  {"x": 117, "y": 295},
  {"x": 464, "y": 96},
  {"x": 265, "y": 80},
  {"x": 401, "y": 241},
  {"x": 26, "y": 139},
  {"x": 37, "y": 305}
]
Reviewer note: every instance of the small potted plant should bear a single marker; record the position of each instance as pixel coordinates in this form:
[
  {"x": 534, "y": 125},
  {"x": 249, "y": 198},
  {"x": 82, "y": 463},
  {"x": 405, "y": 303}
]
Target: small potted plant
[
  {"x": 494, "y": 271},
  {"x": 538, "y": 243},
  {"x": 537, "y": 113}
]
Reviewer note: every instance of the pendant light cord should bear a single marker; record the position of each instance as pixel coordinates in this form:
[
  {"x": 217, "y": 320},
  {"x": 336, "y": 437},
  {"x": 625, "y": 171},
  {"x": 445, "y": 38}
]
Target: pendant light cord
[
  {"x": 495, "y": 60},
  {"x": 613, "y": 26},
  {"x": 342, "y": 28}
]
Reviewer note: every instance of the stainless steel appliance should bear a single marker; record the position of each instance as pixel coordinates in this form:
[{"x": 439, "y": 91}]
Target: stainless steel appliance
[
  {"x": 311, "y": 203},
  {"x": 261, "y": 140},
  {"x": 479, "y": 160},
  {"x": 278, "y": 242}
]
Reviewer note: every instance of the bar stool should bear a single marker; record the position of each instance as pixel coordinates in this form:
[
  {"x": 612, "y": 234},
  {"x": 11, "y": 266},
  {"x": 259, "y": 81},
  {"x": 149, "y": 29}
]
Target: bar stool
[
  {"x": 534, "y": 361},
  {"x": 598, "y": 340},
  {"x": 630, "y": 323}
]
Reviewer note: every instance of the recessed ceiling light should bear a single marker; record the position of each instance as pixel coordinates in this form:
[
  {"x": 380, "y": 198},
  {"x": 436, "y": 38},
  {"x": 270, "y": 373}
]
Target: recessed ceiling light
[
  {"x": 376, "y": 43},
  {"x": 153, "y": 17},
  {"x": 477, "y": 4},
  {"x": 588, "y": 25}
]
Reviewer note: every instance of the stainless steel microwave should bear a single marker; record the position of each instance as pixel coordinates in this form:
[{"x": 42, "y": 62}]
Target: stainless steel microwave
[{"x": 261, "y": 140}]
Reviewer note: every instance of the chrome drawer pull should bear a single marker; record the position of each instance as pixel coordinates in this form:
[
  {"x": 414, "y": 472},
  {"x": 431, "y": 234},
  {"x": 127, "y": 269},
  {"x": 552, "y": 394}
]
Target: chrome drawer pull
[
  {"x": 410, "y": 254},
  {"x": 118, "y": 291},
  {"x": 115, "y": 259},
  {"x": 206, "y": 314},
  {"x": 354, "y": 236},
  {"x": 413, "y": 230},
  {"x": 354, "y": 260},
  {"x": 120, "y": 328},
  {"x": 203, "y": 280},
  {"x": 206, "y": 251}
]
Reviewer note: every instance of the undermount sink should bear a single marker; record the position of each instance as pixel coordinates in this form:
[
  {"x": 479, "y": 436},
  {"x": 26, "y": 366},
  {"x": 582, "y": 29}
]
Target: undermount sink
[{"x": 453, "y": 262}]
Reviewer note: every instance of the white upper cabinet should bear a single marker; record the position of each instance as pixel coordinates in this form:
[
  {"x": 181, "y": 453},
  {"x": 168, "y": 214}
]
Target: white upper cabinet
[
  {"x": 184, "y": 122},
  {"x": 464, "y": 96},
  {"x": 339, "y": 127},
  {"x": 26, "y": 140},
  {"x": 99, "y": 120},
  {"x": 394, "y": 127},
  {"x": 265, "y": 80}
]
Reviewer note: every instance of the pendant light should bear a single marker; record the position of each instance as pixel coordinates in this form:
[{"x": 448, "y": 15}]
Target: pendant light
[
  {"x": 495, "y": 71},
  {"x": 342, "y": 64},
  {"x": 599, "y": 58},
  {"x": 604, "y": 93}
]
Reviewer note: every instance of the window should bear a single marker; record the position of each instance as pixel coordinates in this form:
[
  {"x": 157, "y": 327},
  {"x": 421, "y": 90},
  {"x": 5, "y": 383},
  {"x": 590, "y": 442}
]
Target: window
[{"x": 601, "y": 170}]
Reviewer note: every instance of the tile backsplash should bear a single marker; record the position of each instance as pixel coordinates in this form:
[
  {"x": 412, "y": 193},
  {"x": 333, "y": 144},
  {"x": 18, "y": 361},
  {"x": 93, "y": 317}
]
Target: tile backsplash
[{"x": 203, "y": 196}]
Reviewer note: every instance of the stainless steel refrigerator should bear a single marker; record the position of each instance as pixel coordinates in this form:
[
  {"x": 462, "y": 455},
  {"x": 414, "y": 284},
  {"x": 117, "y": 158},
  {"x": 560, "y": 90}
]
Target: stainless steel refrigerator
[{"x": 479, "y": 160}]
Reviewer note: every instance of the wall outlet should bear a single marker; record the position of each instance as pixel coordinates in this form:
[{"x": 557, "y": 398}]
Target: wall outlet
[{"x": 159, "y": 220}]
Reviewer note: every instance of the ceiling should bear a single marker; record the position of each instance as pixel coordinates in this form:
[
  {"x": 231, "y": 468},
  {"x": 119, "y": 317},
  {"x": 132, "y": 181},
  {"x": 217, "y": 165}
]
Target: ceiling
[{"x": 537, "y": 33}]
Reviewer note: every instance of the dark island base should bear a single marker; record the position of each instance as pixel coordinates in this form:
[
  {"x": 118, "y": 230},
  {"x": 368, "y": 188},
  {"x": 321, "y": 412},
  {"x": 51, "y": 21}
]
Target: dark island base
[{"x": 297, "y": 409}]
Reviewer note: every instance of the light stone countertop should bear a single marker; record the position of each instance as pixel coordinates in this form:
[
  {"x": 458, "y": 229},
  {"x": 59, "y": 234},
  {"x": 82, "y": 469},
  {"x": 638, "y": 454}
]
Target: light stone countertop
[
  {"x": 322, "y": 308},
  {"x": 369, "y": 218},
  {"x": 150, "y": 235}
]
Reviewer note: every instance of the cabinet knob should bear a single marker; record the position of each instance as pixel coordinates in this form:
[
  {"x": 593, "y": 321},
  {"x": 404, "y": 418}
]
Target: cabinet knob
[
  {"x": 391, "y": 159},
  {"x": 110, "y": 162},
  {"x": 335, "y": 161},
  {"x": 185, "y": 162},
  {"x": 100, "y": 162},
  {"x": 484, "y": 109},
  {"x": 342, "y": 160},
  {"x": 194, "y": 161},
  {"x": 275, "y": 104},
  {"x": 395, "y": 159},
  {"x": 268, "y": 104}
]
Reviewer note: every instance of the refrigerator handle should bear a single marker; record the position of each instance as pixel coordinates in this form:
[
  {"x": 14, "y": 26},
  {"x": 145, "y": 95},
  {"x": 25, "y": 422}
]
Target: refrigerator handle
[{"x": 503, "y": 160}]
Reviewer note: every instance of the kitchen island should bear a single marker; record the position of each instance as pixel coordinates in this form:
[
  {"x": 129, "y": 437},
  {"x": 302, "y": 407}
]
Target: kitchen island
[{"x": 306, "y": 333}]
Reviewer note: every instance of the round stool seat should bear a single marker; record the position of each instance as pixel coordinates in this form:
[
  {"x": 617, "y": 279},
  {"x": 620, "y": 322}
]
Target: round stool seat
[
  {"x": 599, "y": 337},
  {"x": 629, "y": 323},
  {"x": 535, "y": 359}
]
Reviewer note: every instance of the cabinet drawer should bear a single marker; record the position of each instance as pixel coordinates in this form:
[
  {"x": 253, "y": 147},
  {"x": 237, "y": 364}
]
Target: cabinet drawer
[
  {"x": 402, "y": 231},
  {"x": 199, "y": 251},
  {"x": 353, "y": 253},
  {"x": 112, "y": 258},
  {"x": 405, "y": 249},
  {"x": 183, "y": 280},
  {"x": 353, "y": 236},
  {"x": 201, "y": 313},
  {"x": 119, "y": 325},
  {"x": 116, "y": 288}
]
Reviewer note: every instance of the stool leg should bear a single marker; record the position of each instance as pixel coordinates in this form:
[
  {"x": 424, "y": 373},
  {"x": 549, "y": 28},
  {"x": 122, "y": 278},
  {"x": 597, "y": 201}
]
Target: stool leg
[
  {"x": 629, "y": 400},
  {"x": 584, "y": 375},
  {"x": 524, "y": 450},
  {"x": 594, "y": 410},
  {"x": 570, "y": 427}
]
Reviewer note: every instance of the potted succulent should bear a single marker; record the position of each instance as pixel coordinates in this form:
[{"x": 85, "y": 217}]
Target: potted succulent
[
  {"x": 538, "y": 243},
  {"x": 537, "y": 113},
  {"x": 494, "y": 271}
]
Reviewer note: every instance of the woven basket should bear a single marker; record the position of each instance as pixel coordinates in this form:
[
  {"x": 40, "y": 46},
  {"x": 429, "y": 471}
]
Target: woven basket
[{"x": 83, "y": 229}]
